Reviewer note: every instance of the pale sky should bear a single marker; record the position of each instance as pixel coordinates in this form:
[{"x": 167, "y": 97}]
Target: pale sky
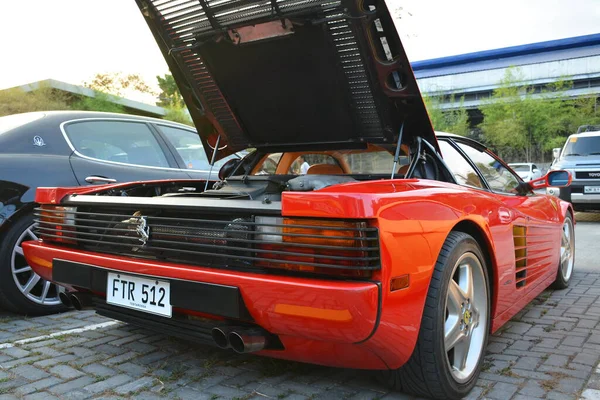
[{"x": 71, "y": 40}]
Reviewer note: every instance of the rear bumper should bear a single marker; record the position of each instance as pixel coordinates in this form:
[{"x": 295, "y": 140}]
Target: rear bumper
[{"x": 306, "y": 314}]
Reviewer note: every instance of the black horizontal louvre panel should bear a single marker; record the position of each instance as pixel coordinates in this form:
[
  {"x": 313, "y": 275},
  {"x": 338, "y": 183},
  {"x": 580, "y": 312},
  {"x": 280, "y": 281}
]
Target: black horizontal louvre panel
[
  {"x": 238, "y": 242},
  {"x": 350, "y": 59},
  {"x": 245, "y": 90}
]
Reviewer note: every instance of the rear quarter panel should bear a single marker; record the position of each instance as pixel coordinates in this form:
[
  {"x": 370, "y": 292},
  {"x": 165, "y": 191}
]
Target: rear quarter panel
[{"x": 414, "y": 219}]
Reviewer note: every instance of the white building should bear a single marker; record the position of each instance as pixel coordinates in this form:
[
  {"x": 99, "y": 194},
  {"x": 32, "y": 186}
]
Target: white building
[{"x": 476, "y": 75}]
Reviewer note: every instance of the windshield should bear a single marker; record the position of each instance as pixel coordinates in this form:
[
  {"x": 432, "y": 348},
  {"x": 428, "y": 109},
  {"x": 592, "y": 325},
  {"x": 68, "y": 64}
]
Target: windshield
[
  {"x": 13, "y": 121},
  {"x": 582, "y": 146},
  {"x": 520, "y": 167}
]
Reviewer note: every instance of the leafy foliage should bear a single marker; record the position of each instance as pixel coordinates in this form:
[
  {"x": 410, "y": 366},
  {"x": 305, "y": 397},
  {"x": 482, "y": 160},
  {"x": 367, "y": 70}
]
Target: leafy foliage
[
  {"x": 15, "y": 100},
  {"x": 170, "y": 98},
  {"x": 454, "y": 121},
  {"x": 169, "y": 95},
  {"x": 524, "y": 122},
  {"x": 101, "y": 102},
  {"x": 118, "y": 84},
  {"x": 178, "y": 114}
]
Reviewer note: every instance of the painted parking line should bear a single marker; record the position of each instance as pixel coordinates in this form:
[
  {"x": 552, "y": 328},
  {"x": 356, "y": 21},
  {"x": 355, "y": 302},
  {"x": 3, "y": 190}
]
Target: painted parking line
[
  {"x": 590, "y": 394},
  {"x": 60, "y": 333}
]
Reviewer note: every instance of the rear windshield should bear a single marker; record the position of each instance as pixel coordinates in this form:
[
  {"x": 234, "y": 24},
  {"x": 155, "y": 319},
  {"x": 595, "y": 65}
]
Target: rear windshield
[
  {"x": 10, "y": 122},
  {"x": 582, "y": 146}
]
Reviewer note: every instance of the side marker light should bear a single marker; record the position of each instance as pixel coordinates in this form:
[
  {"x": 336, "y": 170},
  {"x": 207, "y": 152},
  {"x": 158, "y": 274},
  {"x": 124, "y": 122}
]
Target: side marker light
[{"x": 399, "y": 282}]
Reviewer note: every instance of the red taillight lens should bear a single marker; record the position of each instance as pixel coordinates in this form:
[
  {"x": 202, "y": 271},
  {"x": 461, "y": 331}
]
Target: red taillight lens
[
  {"x": 295, "y": 231},
  {"x": 328, "y": 247}
]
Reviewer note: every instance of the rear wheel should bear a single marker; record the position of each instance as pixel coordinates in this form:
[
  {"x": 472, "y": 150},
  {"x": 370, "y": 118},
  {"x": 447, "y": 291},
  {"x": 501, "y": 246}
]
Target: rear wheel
[
  {"x": 567, "y": 255},
  {"x": 21, "y": 289},
  {"x": 454, "y": 329}
]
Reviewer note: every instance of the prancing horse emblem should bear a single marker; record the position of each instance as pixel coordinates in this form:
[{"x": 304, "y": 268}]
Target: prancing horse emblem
[{"x": 143, "y": 230}]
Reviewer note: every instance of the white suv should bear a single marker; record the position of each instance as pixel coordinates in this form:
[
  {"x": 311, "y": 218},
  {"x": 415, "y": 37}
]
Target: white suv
[{"x": 581, "y": 156}]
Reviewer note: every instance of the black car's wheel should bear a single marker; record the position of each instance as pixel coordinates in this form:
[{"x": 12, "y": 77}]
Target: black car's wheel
[
  {"x": 21, "y": 289},
  {"x": 454, "y": 329},
  {"x": 567, "y": 255}
]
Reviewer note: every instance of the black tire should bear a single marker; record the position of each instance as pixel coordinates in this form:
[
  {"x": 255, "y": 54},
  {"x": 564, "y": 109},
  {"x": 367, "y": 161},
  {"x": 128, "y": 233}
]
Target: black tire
[
  {"x": 427, "y": 373},
  {"x": 561, "y": 282},
  {"x": 11, "y": 298}
]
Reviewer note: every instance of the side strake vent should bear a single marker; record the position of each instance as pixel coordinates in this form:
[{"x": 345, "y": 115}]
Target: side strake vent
[{"x": 520, "y": 241}]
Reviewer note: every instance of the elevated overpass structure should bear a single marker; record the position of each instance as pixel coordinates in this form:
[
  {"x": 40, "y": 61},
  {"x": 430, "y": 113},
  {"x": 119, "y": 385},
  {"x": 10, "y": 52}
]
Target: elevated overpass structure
[{"x": 474, "y": 76}]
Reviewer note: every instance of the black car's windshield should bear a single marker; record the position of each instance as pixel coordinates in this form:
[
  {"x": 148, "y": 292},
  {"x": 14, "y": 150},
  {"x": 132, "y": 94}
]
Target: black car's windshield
[{"x": 582, "y": 146}]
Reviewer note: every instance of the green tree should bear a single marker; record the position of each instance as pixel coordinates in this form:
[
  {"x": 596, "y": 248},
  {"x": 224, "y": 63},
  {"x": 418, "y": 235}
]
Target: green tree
[
  {"x": 178, "y": 115},
  {"x": 169, "y": 95},
  {"x": 578, "y": 112},
  {"x": 586, "y": 111},
  {"x": 44, "y": 98},
  {"x": 118, "y": 84},
  {"x": 108, "y": 87},
  {"x": 525, "y": 122},
  {"x": 100, "y": 102},
  {"x": 170, "y": 99},
  {"x": 454, "y": 121}
]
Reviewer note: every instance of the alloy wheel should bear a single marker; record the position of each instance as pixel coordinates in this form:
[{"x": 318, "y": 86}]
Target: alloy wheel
[
  {"x": 466, "y": 317},
  {"x": 567, "y": 250},
  {"x": 30, "y": 284}
]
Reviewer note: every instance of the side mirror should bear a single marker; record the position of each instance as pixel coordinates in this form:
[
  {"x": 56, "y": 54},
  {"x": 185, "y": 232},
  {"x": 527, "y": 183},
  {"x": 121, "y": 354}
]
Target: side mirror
[
  {"x": 228, "y": 168},
  {"x": 556, "y": 153},
  {"x": 558, "y": 179}
]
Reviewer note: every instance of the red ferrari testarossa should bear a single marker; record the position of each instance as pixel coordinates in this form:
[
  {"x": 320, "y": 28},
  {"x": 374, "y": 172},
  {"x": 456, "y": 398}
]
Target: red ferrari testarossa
[{"x": 351, "y": 235}]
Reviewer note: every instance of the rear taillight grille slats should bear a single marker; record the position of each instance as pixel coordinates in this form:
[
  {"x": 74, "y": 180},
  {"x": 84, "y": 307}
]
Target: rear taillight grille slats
[
  {"x": 85, "y": 231},
  {"x": 261, "y": 251},
  {"x": 53, "y": 224},
  {"x": 253, "y": 241},
  {"x": 211, "y": 254},
  {"x": 80, "y": 217},
  {"x": 75, "y": 234},
  {"x": 78, "y": 235}
]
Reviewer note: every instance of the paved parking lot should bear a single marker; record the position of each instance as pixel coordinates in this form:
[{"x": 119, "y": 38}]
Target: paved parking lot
[{"x": 550, "y": 350}]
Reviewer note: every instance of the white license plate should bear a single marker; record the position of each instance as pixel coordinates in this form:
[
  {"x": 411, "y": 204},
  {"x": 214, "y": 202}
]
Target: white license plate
[
  {"x": 591, "y": 189},
  {"x": 143, "y": 294}
]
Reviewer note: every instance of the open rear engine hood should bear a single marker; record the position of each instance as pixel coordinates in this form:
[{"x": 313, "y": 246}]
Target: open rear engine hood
[{"x": 289, "y": 74}]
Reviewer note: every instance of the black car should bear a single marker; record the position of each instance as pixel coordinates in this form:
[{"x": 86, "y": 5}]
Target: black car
[{"x": 73, "y": 148}]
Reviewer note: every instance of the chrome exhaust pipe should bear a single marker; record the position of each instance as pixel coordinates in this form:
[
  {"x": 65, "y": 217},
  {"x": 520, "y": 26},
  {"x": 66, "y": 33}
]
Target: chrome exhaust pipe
[
  {"x": 247, "y": 340},
  {"x": 81, "y": 300},
  {"x": 65, "y": 299},
  {"x": 220, "y": 335}
]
